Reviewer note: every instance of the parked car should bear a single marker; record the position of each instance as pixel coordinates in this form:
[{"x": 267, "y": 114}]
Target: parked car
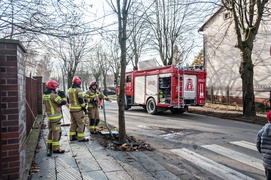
[{"x": 109, "y": 92}]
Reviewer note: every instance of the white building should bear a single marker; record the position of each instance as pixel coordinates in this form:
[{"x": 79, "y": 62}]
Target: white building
[{"x": 222, "y": 59}]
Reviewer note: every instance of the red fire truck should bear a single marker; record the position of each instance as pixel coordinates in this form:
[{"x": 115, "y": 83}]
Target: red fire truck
[{"x": 165, "y": 88}]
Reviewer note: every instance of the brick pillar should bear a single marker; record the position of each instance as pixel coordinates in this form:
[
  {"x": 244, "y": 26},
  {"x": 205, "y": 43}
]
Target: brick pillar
[
  {"x": 39, "y": 93},
  {"x": 1, "y": 117},
  {"x": 13, "y": 126}
]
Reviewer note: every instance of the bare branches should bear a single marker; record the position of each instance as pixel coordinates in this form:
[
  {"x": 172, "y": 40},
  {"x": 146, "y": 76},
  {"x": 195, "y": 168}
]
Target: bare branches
[
  {"x": 247, "y": 17},
  {"x": 41, "y": 17},
  {"x": 173, "y": 22}
]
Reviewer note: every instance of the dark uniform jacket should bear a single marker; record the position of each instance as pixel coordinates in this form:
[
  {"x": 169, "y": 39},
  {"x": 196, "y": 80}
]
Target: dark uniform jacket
[
  {"x": 263, "y": 144},
  {"x": 52, "y": 103}
]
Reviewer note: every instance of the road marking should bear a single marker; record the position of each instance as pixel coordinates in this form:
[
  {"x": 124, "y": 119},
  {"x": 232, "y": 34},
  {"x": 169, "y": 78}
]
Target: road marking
[
  {"x": 249, "y": 160},
  {"x": 245, "y": 144},
  {"x": 210, "y": 165},
  {"x": 142, "y": 126}
]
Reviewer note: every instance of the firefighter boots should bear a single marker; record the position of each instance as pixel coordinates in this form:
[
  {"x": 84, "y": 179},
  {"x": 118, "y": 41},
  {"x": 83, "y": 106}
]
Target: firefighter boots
[
  {"x": 49, "y": 150},
  {"x": 59, "y": 151},
  {"x": 83, "y": 140},
  {"x": 74, "y": 138}
]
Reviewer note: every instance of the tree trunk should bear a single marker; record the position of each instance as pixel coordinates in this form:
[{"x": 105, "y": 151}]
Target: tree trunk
[
  {"x": 104, "y": 83},
  {"x": 69, "y": 80},
  {"x": 136, "y": 55},
  {"x": 121, "y": 101},
  {"x": 246, "y": 71},
  {"x": 122, "y": 41}
]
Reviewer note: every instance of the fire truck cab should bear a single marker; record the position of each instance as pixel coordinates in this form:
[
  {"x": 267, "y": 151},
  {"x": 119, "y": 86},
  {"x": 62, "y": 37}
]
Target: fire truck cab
[{"x": 165, "y": 88}]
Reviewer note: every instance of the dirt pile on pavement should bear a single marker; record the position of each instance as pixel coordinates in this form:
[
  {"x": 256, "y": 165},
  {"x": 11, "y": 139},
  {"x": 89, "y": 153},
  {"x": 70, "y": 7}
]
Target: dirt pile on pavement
[{"x": 110, "y": 141}]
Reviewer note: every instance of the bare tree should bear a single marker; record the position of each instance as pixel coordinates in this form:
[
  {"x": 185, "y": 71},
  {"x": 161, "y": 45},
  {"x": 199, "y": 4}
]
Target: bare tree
[
  {"x": 122, "y": 8},
  {"x": 139, "y": 33},
  {"x": 84, "y": 72},
  {"x": 30, "y": 62},
  {"x": 173, "y": 24},
  {"x": 105, "y": 66},
  {"x": 38, "y": 21},
  {"x": 247, "y": 16},
  {"x": 24, "y": 17},
  {"x": 96, "y": 63},
  {"x": 44, "y": 68},
  {"x": 70, "y": 52},
  {"x": 113, "y": 49}
]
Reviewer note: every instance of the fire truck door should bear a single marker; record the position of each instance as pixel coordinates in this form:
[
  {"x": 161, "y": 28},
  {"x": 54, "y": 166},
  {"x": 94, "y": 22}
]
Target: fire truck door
[
  {"x": 139, "y": 90},
  {"x": 189, "y": 87},
  {"x": 152, "y": 87}
]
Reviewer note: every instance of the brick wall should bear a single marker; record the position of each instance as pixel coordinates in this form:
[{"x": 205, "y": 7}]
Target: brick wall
[
  {"x": 1, "y": 117},
  {"x": 13, "y": 115}
]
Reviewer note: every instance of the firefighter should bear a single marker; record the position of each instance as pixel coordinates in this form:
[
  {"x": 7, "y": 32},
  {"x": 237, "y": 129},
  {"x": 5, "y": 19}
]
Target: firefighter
[
  {"x": 53, "y": 100},
  {"x": 77, "y": 106},
  {"x": 92, "y": 96}
]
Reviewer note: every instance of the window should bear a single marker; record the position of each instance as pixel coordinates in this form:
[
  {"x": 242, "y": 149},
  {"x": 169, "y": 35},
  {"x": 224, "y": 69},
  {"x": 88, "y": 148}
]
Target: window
[{"x": 128, "y": 78}]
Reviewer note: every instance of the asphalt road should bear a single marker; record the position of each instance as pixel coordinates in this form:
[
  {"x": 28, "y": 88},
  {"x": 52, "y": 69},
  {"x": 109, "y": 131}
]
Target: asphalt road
[{"x": 194, "y": 146}]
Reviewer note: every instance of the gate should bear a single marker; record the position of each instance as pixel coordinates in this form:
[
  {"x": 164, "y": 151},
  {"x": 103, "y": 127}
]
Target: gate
[{"x": 31, "y": 93}]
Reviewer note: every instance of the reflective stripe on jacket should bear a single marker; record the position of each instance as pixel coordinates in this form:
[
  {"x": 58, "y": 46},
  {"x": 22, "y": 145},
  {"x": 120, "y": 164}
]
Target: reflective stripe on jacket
[
  {"x": 74, "y": 94},
  {"x": 52, "y": 106},
  {"x": 90, "y": 95}
]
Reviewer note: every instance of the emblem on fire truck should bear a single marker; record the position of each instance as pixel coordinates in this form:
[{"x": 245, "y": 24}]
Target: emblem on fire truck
[{"x": 189, "y": 85}]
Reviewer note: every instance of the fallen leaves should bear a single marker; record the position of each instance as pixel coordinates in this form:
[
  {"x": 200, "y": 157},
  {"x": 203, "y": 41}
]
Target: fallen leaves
[
  {"x": 34, "y": 168},
  {"x": 131, "y": 144}
]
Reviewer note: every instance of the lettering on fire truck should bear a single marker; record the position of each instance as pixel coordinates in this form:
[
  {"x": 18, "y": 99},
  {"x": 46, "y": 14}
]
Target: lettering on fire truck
[{"x": 151, "y": 83}]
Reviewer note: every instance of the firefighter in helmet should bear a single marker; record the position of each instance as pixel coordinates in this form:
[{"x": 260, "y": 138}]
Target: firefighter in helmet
[
  {"x": 92, "y": 96},
  {"x": 77, "y": 106},
  {"x": 53, "y": 100}
]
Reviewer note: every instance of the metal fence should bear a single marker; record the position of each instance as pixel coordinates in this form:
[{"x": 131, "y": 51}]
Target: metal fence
[
  {"x": 227, "y": 95},
  {"x": 31, "y": 103}
]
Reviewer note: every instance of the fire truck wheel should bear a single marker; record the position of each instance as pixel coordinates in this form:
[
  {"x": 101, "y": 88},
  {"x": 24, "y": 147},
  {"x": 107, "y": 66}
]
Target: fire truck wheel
[{"x": 151, "y": 106}]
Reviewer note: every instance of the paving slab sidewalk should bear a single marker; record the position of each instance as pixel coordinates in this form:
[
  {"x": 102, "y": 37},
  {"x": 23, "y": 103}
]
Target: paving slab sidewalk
[{"x": 91, "y": 161}]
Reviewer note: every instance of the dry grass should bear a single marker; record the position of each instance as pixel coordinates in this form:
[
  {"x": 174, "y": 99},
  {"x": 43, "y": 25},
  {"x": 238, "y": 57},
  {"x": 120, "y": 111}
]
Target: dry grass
[{"x": 224, "y": 107}]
